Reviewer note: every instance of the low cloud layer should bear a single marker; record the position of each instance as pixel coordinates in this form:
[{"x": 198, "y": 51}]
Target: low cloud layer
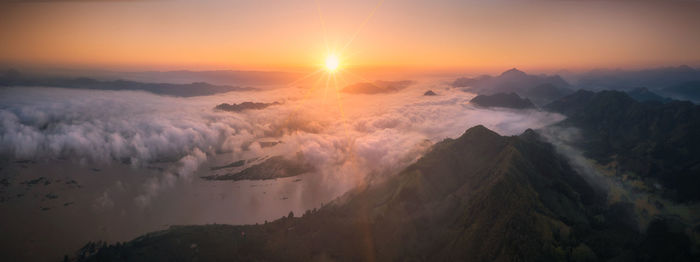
[{"x": 346, "y": 138}]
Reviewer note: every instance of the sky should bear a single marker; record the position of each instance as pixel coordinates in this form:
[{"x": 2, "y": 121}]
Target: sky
[{"x": 486, "y": 36}]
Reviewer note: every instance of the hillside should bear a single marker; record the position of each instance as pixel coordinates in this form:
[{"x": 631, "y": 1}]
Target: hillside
[
  {"x": 509, "y": 100},
  {"x": 481, "y": 197},
  {"x": 645, "y": 95},
  {"x": 684, "y": 91},
  {"x": 653, "y": 78},
  {"x": 657, "y": 141}
]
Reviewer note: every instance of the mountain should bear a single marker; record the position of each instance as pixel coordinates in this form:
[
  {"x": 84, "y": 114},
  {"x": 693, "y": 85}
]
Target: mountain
[
  {"x": 216, "y": 77},
  {"x": 684, "y": 91},
  {"x": 219, "y": 77},
  {"x": 540, "y": 89},
  {"x": 429, "y": 93},
  {"x": 377, "y": 87},
  {"x": 480, "y": 197},
  {"x": 510, "y": 100},
  {"x": 14, "y": 78},
  {"x": 654, "y": 78},
  {"x": 645, "y": 95},
  {"x": 467, "y": 82},
  {"x": 545, "y": 93},
  {"x": 513, "y": 73},
  {"x": 658, "y": 142},
  {"x": 244, "y": 106}
]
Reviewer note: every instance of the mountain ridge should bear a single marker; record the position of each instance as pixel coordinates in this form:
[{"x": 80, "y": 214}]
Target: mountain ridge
[
  {"x": 540, "y": 89},
  {"x": 14, "y": 78},
  {"x": 479, "y": 197}
]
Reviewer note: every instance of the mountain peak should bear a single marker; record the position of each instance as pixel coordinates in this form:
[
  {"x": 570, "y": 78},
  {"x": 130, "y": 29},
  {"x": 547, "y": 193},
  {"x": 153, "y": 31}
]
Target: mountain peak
[
  {"x": 479, "y": 132},
  {"x": 529, "y": 133},
  {"x": 513, "y": 72},
  {"x": 685, "y": 68}
]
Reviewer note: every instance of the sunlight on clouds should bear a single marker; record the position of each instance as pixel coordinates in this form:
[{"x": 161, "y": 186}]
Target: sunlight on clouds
[{"x": 369, "y": 135}]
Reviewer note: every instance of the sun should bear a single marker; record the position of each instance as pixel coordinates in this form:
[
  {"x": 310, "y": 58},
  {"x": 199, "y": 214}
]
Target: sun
[{"x": 332, "y": 63}]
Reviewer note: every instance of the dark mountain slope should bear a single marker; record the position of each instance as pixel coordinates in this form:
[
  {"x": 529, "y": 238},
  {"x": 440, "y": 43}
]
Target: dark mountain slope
[
  {"x": 659, "y": 142},
  {"x": 509, "y": 100},
  {"x": 684, "y": 91},
  {"x": 645, "y": 95},
  {"x": 654, "y": 78},
  {"x": 481, "y": 197},
  {"x": 540, "y": 89}
]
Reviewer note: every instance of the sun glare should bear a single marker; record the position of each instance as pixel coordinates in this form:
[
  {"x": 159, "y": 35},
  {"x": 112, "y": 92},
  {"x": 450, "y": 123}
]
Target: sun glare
[{"x": 332, "y": 63}]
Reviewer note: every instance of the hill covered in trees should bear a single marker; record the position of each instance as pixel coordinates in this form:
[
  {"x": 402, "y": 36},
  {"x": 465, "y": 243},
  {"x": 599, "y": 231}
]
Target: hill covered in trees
[{"x": 480, "y": 197}]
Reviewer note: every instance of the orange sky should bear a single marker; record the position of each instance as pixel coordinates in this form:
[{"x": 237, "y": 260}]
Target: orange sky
[{"x": 274, "y": 35}]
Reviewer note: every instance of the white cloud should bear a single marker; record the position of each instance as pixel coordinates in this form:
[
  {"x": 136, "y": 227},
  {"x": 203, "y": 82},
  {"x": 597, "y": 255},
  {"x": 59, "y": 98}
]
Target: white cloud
[{"x": 346, "y": 138}]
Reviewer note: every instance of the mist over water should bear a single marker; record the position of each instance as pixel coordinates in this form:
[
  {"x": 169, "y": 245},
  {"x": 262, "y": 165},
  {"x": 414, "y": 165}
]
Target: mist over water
[{"x": 138, "y": 157}]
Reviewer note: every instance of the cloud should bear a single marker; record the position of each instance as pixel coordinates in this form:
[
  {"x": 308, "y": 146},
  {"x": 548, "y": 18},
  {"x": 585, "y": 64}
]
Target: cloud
[
  {"x": 563, "y": 139},
  {"x": 345, "y": 138}
]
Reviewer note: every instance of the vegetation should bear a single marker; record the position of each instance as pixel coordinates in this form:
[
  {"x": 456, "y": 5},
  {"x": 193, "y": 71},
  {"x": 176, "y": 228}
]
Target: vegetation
[
  {"x": 481, "y": 197},
  {"x": 657, "y": 141},
  {"x": 509, "y": 100}
]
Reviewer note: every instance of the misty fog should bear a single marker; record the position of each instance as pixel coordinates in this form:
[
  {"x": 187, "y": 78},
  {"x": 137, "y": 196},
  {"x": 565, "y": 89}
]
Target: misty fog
[{"x": 136, "y": 158}]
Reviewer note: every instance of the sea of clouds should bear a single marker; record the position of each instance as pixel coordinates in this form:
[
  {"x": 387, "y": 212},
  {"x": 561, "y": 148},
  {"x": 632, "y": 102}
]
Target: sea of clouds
[{"x": 345, "y": 136}]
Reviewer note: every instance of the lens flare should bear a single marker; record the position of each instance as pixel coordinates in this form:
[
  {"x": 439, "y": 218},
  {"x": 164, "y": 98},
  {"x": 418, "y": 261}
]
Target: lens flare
[{"x": 332, "y": 63}]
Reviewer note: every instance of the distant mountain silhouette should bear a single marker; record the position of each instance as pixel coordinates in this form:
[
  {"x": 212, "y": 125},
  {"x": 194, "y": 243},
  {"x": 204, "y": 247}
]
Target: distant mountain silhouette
[
  {"x": 658, "y": 142},
  {"x": 539, "y": 89},
  {"x": 654, "y": 79},
  {"x": 220, "y": 77},
  {"x": 377, "y": 87},
  {"x": 244, "y": 106},
  {"x": 15, "y": 78},
  {"x": 510, "y": 100},
  {"x": 645, "y": 95},
  {"x": 480, "y": 197},
  {"x": 514, "y": 73},
  {"x": 429, "y": 93},
  {"x": 215, "y": 77},
  {"x": 467, "y": 82},
  {"x": 684, "y": 91}
]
